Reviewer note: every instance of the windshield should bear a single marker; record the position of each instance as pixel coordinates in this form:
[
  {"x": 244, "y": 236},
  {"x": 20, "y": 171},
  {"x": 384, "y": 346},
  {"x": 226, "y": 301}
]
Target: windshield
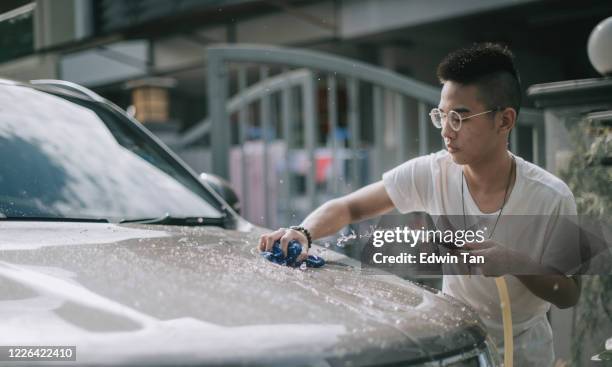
[{"x": 63, "y": 159}]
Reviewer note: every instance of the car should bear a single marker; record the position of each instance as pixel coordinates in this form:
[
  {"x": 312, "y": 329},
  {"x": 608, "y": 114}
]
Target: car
[{"x": 110, "y": 244}]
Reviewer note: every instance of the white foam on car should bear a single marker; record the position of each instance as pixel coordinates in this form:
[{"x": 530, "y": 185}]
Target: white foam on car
[
  {"x": 34, "y": 235},
  {"x": 187, "y": 340}
]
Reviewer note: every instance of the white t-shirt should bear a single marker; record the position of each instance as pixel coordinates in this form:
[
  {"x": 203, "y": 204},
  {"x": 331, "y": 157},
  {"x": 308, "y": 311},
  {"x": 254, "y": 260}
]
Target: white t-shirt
[{"x": 432, "y": 184}]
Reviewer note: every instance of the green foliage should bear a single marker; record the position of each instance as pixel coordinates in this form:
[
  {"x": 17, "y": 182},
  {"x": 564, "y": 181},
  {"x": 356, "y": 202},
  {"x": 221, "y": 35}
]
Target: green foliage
[{"x": 591, "y": 183}]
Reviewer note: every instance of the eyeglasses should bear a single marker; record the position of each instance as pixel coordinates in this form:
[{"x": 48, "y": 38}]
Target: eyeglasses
[{"x": 453, "y": 118}]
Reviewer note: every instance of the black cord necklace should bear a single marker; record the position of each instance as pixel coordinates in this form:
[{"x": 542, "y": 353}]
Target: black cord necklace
[{"x": 512, "y": 165}]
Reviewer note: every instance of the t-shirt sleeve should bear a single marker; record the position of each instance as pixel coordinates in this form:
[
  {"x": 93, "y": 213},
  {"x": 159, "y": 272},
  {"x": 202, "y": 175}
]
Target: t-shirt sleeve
[{"x": 409, "y": 185}]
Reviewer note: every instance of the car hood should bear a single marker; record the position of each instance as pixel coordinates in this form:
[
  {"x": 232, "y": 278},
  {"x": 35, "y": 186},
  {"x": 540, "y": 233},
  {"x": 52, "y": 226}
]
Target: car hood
[{"x": 147, "y": 294}]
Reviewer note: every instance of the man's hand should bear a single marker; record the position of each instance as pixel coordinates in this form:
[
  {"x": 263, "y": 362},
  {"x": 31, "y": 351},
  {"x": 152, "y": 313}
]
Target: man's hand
[
  {"x": 543, "y": 281},
  {"x": 330, "y": 217},
  {"x": 498, "y": 259},
  {"x": 285, "y": 235}
]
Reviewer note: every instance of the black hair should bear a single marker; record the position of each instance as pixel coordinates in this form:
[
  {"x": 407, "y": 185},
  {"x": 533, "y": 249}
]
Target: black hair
[{"x": 490, "y": 67}]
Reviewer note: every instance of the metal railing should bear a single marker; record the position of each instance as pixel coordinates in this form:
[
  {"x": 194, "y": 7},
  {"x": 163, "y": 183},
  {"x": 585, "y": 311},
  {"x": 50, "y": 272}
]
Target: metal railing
[{"x": 284, "y": 82}]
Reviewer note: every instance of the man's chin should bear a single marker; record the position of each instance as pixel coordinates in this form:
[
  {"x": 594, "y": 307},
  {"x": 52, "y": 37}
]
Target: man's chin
[{"x": 457, "y": 157}]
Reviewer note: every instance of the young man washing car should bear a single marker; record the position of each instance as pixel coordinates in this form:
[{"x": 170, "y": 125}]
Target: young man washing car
[{"x": 475, "y": 175}]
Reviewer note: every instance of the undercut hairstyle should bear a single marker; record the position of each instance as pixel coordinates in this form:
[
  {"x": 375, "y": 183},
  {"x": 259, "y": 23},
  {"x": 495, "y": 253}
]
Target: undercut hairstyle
[{"x": 488, "y": 66}]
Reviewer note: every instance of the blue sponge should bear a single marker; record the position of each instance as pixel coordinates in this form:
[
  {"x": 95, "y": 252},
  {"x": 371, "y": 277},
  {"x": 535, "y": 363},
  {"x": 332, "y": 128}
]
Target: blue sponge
[{"x": 293, "y": 251}]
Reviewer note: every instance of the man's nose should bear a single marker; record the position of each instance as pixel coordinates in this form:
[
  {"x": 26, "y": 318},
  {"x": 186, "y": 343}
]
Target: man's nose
[{"x": 447, "y": 132}]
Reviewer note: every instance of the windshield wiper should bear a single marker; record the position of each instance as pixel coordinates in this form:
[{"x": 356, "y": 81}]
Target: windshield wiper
[
  {"x": 53, "y": 219},
  {"x": 168, "y": 219}
]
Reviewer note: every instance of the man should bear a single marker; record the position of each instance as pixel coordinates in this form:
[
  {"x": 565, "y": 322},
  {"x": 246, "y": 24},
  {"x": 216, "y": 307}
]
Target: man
[{"x": 475, "y": 175}]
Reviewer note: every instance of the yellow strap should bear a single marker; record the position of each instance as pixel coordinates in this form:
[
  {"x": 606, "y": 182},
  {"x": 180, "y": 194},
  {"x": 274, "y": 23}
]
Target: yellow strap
[{"x": 504, "y": 297}]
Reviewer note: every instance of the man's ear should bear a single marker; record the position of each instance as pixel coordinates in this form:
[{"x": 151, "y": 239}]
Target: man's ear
[{"x": 508, "y": 119}]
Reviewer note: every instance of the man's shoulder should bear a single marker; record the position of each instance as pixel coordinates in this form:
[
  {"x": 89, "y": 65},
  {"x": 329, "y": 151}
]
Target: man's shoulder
[
  {"x": 538, "y": 178},
  {"x": 440, "y": 159},
  {"x": 423, "y": 167}
]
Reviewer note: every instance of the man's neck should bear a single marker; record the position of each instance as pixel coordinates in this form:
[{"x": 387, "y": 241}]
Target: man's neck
[{"x": 490, "y": 174}]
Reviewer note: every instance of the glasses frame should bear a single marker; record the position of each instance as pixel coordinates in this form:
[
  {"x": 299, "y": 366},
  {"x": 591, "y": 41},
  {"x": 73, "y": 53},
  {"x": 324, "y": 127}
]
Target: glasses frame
[{"x": 444, "y": 116}]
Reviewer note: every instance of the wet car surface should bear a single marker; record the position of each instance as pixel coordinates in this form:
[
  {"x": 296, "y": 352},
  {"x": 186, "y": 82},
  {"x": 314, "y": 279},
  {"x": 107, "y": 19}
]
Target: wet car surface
[
  {"x": 197, "y": 292},
  {"x": 153, "y": 285}
]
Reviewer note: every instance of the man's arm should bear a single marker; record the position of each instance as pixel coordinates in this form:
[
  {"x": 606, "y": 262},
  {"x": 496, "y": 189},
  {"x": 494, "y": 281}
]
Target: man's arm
[
  {"x": 562, "y": 253},
  {"x": 329, "y": 218},
  {"x": 365, "y": 203},
  {"x": 541, "y": 280},
  {"x": 559, "y": 290}
]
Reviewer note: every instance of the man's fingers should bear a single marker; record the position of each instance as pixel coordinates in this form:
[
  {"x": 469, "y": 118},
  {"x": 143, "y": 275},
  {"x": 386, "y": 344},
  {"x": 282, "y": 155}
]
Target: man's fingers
[
  {"x": 266, "y": 241},
  {"x": 263, "y": 242},
  {"x": 471, "y": 246},
  {"x": 291, "y": 235},
  {"x": 474, "y": 246},
  {"x": 273, "y": 237},
  {"x": 284, "y": 242},
  {"x": 303, "y": 256}
]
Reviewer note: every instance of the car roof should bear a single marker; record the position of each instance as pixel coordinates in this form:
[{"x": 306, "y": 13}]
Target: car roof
[
  {"x": 70, "y": 87},
  {"x": 8, "y": 81},
  {"x": 58, "y": 86}
]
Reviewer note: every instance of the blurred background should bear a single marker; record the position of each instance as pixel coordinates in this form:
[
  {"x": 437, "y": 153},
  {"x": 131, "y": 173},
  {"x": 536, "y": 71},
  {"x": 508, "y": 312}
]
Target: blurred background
[{"x": 297, "y": 102}]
